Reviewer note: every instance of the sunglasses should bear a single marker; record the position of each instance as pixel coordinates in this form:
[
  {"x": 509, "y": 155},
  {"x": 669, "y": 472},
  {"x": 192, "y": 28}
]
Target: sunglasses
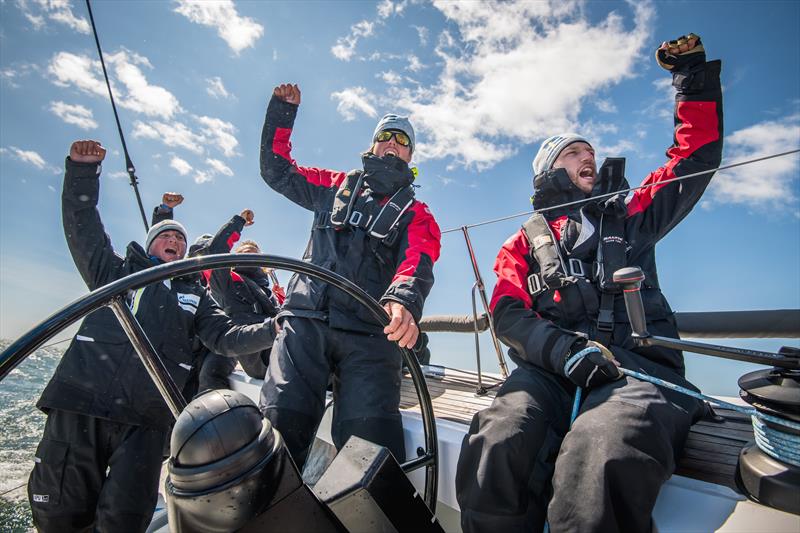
[{"x": 401, "y": 138}]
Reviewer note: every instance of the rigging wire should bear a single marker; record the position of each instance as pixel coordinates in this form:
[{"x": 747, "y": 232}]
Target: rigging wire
[
  {"x": 608, "y": 195},
  {"x": 128, "y": 163}
]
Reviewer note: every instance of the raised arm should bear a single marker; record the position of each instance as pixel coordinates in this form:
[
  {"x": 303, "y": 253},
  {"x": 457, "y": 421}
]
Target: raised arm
[
  {"x": 88, "y": 243},
  {"x": 164, "y": 211},
  {"x": 302, "y": 185},
  {"x": 697, "y": 140},
  {"x": 220, "y": 280}
]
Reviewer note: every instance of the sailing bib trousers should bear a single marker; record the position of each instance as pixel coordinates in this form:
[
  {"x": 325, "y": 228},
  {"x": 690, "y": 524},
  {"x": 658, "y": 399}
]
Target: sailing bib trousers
[
  {"x": 366, "y": 386},
  {"x": 606, "y": 471},
  {"x": 92, "y": 474}
]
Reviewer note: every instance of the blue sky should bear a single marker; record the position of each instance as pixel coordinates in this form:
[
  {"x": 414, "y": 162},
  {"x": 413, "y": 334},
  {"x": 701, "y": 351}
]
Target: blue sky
[{"x": 483, "y": 83}]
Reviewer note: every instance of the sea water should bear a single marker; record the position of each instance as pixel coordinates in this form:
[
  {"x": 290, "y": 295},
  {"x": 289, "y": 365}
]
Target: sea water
[{"x": 22, "y": 426}]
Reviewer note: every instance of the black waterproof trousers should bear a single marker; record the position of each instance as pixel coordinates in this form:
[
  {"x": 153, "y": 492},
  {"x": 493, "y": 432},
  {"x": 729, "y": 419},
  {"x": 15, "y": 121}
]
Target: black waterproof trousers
[
  {"x": 366, "y": 386},
  {"x": 214, "y": 372},
  {"x": 91, "y": 474},
  {"x": 521, "y": 464}
]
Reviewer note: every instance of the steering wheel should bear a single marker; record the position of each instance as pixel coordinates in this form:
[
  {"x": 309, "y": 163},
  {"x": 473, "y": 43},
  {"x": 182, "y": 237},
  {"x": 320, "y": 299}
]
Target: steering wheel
[{"x": 113, "y": 295}]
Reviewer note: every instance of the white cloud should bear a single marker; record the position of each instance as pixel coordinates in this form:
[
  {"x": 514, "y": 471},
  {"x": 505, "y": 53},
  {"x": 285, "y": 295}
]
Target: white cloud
[
  {"x": 213, "y": 133},
  {"x": 237, "y": 31},
  {"x": 216, "y": 88},
  {"x": 142, "y": 97},
  {"x": 219, "y": 167},
  {"x": 345, "y": 47},
  {"x": 354, "y": 100},
  {"x": 508, "y": 75},
  {"x": 219, "y": 133},
  {"x": 203, "y": 177},
  {"x": 422, "y": 33},
  {"x": 136, "y": 93},
  {"x": 26, "y": 156},
  {"x": 414, "y": 64},
  {"x": 74, "y": 114},
  {"x": 12, "y": 75},
  {"x": 181, "y": 166},
  {"x": 767, "y": 183},
  {"x": 387, "y": 8},
  {"x": 391, "y": 77},
  {"x": 174, "y": 134},
  {"x": 605, "y": 105},
  {"x": 37, "y": 11}
]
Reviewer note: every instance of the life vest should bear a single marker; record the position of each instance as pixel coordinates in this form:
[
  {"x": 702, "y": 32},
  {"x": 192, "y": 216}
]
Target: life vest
[
  {"x": 557, "y": 271},
  {"x": 353, "y": 208}
]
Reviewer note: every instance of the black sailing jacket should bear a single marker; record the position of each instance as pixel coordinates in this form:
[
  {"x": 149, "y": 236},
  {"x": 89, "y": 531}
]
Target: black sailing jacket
[
  {"x": 100, "y": 374},
  {"x": 401, "y": 271},
  {"x": 542, "y": 330}
]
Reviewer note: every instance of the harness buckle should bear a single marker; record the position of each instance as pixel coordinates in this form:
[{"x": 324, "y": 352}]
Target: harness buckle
[
  {"x": 355, "y": 218},
  {"x": 605, "y": 320},
  {"x": 576, "y": 267},
  {"x": 322, "y": 219},
  {"x": 535, "y": 285},
  {"x": 390, "y": 239}
]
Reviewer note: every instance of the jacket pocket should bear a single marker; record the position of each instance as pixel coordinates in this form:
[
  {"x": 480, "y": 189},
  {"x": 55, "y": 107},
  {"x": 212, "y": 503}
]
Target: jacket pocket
[{"x": 47, "y": 477}]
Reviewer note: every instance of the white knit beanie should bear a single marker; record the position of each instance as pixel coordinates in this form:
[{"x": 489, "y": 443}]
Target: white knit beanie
[
  {"x": 551, "y": 147},
  {"x": 161, "y": 227}
]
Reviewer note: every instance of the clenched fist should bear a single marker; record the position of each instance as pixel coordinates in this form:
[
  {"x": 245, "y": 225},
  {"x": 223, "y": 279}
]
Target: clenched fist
[
  {"x": 288, "y": 93},
  {"x": 87, "y": 152},
  {"x": 172, "y": 199},
  {"x": 248, "y": 216}
]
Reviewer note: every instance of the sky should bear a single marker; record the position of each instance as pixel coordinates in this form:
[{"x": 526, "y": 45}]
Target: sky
[{"x": 483, "y": 83}]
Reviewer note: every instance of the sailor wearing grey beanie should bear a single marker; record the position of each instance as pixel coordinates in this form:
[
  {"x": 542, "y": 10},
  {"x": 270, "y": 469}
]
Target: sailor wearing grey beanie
[
  {"x": 392, "y": 122},
  {"x": 578, "y": 161},
  {"x": 170, "y": 251}
]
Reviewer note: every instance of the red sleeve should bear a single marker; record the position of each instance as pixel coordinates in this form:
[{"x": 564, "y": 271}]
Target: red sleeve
[{"x": 511, "y": 267}]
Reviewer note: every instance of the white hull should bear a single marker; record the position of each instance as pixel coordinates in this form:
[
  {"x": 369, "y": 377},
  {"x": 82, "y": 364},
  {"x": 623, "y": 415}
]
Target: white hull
[{"x": 683, "y": 505}]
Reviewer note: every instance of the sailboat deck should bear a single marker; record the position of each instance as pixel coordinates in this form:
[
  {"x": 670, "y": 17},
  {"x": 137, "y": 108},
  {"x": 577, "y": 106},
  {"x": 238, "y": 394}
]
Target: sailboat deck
[{"x": 710, "y": 454}]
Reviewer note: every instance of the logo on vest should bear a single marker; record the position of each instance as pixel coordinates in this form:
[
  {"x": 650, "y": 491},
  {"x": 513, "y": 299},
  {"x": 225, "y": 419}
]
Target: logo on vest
[
  {"x": 613, "y": 239},
  {"x": 41, "y": 498}
]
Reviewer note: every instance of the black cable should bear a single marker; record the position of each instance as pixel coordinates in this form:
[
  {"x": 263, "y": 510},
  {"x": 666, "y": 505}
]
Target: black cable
[
  {"x": 608, "y": 195},
  {"x": 128, "y": 163}
]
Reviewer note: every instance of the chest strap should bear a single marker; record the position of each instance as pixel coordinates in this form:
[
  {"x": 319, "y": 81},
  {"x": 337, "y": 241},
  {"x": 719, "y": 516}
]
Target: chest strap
[{"x": 357, "y": 208}]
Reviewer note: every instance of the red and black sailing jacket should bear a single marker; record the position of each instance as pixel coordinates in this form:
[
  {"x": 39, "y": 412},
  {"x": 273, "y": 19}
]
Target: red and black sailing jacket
[
  {"x": 540, "y": 325},
  {"x": 398, "y": 269}
]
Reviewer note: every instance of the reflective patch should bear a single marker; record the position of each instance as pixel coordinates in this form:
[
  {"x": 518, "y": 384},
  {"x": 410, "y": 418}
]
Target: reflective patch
[
  {"x": 41, "y": 498},
  {"x": 37, "y": 460},
  {"x": 185, "y": 366},
  {"x": 188, "y": 302},
  {"x": 82, "y": 338}
]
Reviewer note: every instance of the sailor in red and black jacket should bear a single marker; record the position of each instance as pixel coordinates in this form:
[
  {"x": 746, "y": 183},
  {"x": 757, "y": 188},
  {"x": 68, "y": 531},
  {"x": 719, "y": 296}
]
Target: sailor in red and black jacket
[
  {"x": 555, "y": 305},
  {"x": 244, "y": 293},
  {"x": 369, "y": 228}
]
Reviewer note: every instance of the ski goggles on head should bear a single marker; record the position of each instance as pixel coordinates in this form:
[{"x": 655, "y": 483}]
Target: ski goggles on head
[{"x": 385, "y": 135}]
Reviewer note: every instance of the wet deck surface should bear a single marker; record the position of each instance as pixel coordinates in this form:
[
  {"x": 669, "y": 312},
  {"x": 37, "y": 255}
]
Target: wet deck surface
[{"x": 710, "y": 454}]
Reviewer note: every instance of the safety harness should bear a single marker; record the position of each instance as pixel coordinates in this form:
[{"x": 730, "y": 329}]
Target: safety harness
[
  {"x": 354, "y": 206},
  {"x": 556, "y": 271}
]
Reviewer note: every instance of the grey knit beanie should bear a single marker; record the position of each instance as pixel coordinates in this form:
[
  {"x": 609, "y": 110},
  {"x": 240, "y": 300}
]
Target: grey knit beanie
[
  {"x": 551, "y": 147},
  {"x": 395, "y": 122},
  {"x": 161, "y": 227}
]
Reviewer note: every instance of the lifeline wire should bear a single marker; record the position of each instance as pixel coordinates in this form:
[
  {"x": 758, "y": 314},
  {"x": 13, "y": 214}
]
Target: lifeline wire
[
  {"x": 128, "y": 163},
  {"x": 608, "y": 195}
]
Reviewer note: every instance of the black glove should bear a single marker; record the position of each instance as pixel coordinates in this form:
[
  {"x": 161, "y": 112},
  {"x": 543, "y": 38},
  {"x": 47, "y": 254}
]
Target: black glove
[
  {"x": 591, "y": 364},
  {"x": 683, "y": 61}
]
